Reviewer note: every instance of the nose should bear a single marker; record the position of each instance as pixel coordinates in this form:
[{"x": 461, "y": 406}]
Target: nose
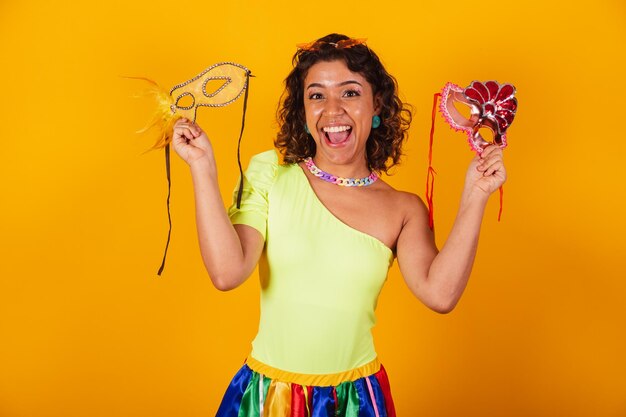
[{"x": 333, "y": 107}]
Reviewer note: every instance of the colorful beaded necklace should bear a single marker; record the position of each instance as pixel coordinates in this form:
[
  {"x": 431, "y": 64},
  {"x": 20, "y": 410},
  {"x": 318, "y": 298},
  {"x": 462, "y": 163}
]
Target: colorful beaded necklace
[{"x": 344, "y": 182}]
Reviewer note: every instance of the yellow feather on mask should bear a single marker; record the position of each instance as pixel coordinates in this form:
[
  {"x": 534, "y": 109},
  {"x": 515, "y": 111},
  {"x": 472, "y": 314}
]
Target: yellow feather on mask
[{"x": 163, "y": 119}]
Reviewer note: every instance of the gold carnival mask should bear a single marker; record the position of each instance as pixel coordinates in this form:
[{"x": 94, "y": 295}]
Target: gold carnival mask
[{"x": 217, "y": 86}]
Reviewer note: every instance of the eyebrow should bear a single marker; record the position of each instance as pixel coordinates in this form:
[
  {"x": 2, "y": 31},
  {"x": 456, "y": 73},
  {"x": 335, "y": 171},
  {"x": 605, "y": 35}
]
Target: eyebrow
[{"x": 341, "y": 84}]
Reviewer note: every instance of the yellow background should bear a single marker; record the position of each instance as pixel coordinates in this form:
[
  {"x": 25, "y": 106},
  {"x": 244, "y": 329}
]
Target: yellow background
[{"x": 87, "y": 328}]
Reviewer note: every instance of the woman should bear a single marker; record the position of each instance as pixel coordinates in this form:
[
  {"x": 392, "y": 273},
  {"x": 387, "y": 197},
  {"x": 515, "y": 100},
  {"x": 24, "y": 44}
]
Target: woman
[{"x": 323, "y": 246}]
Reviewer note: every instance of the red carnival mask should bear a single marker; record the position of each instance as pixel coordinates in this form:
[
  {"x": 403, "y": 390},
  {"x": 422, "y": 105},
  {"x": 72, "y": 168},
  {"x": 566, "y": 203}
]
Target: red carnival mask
[{"x": 492, "y": 105}]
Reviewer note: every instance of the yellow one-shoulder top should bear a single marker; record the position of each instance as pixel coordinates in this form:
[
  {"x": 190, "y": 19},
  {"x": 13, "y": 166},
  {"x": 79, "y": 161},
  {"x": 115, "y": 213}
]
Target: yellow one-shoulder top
[{"x": 320, "y": 278}]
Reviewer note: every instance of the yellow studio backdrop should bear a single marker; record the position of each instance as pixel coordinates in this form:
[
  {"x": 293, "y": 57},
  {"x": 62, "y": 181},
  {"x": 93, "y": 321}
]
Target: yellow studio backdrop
[{"x": 88, "y": 329}]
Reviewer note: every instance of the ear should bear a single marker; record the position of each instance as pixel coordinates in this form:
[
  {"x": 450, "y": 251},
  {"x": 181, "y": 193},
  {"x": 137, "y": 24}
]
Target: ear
[{"x": 378, "y": 104}]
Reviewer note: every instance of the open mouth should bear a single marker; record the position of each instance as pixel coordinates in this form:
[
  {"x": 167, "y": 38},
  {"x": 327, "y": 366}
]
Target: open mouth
[{"x": 337, "y": 135}]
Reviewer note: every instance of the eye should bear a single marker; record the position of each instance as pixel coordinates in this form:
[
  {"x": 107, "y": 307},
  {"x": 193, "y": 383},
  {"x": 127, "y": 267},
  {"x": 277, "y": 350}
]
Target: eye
[
  {"x": 352, "y": 93},
  {"x": 315, "y": 96}
]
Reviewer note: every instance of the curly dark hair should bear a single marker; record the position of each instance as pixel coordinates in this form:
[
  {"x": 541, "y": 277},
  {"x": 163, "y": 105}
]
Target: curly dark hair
[{"x": 384, "y": 146}]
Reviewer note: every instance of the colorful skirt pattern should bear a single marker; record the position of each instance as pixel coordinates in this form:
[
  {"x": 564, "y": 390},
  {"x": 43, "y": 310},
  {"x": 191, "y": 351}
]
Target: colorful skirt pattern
[{"x": 255, "y": 394}]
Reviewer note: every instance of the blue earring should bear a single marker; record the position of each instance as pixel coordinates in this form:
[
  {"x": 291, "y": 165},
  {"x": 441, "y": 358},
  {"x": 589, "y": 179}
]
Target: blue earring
[
  {"x": 375, "y": 122},
  {"x": 306, "y": 129}
]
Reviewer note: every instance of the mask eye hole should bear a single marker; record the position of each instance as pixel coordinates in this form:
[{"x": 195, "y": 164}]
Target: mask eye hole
[
  {"x": 463, "y": 109},
  {"x": 185, "y": 101},
  {"x": 213, "y": 85},
  {"x": 486, "y": 133}
]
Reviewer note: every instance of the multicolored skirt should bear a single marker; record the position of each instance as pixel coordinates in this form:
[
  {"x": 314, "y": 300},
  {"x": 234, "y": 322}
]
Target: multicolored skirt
[{"x": 259, "y": 390}]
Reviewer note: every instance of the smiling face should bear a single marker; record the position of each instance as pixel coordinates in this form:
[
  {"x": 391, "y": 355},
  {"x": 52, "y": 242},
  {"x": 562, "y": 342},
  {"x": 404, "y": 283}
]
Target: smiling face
[{"x": 339, "y": 105}]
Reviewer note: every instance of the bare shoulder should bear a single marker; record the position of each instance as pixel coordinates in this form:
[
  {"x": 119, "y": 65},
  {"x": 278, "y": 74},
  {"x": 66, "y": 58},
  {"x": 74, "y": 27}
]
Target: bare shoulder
[
  {"x": 410, "y": 206},
  {"x": 414, "y": 235},
  {"x": 394, "y": 212}
]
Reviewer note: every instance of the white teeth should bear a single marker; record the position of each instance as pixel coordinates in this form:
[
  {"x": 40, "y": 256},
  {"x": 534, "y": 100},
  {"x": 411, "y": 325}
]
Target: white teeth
[{"x": 335, "y": 129}]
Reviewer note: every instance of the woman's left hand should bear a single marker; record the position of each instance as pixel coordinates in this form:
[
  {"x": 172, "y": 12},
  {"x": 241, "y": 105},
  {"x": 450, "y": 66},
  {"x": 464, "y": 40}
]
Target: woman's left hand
[{"x": 486, "y": 172}]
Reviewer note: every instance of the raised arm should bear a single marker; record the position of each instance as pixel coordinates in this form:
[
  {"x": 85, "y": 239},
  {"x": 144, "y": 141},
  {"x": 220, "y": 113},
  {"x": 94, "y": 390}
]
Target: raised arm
[
  {"x": 438, "y": 278},
  {"x": 230, "y": 253}
]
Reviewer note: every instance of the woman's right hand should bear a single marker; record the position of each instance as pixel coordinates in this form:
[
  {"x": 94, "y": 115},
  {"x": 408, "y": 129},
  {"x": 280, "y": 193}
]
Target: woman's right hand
[{"x": 190, "y": 142}]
